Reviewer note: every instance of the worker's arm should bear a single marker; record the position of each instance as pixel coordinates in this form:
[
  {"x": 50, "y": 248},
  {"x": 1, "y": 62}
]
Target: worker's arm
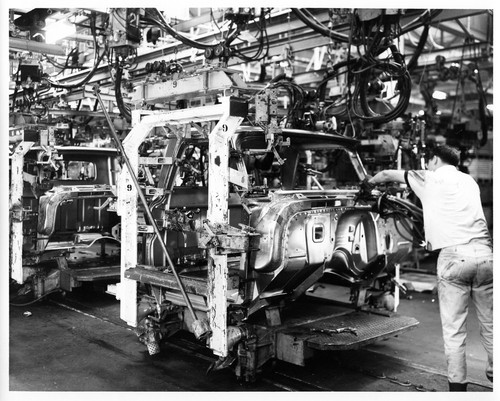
[{"x": 388, "y": 176}]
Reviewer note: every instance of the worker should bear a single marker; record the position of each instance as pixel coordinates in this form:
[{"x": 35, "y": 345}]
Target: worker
[{"x": 454, "y": 223}]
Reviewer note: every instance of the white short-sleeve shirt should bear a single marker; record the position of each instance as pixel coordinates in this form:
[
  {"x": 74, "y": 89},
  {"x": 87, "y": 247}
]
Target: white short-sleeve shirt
[{"x": 451, "y": 203}]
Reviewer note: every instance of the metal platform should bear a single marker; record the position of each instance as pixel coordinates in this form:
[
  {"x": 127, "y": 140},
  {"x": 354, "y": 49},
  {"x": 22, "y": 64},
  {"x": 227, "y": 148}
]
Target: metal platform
[
  {"x": 344, "y": 330},
  {"x": 369, "y": 328}
]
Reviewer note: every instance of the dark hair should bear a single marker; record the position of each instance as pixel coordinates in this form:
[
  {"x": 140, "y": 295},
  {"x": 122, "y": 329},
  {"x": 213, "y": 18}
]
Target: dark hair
[{"x": 447, "y": 154}]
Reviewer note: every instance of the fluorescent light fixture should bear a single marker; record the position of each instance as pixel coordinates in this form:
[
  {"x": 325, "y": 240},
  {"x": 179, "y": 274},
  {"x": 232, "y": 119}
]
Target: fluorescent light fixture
[
  {"x": 59, "y": 30},
  {"x": 489, "y": 107},
  {"x": 439, "y": 95}
]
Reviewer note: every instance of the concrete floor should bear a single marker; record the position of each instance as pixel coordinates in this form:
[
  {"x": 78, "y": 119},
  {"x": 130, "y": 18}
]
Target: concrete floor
[{"x": 57, "y": 348}]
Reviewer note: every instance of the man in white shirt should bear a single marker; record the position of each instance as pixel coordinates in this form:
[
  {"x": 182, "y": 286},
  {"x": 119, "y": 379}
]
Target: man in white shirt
[{"x": 454, "y": 223}]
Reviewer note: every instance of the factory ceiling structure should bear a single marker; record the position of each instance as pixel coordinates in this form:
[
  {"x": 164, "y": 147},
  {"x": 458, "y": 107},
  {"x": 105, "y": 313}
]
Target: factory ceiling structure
[
  {"x": 74, "y": 46},
  {"x": 209, "y": 167}
]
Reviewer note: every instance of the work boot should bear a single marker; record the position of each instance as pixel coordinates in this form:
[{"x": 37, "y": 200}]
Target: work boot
[{"x": 458, "y": 386}]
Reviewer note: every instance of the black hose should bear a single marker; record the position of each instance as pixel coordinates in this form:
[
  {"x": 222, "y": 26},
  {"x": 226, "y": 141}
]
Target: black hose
[
  {"x": 482, "y": 110},
  {"x": 423, "y": 19},
  {"x": 334, "y": 72},
  {"x": 412, "y": 209},
  {"x": 403, "y": 212},
  {"x": 124, "y": 110},
  {"x": 97, "y": 60},
  {"x": 188, "y": 42},
  {"x": 307, "y": 18},
  {"x": 420, "y": 47},
  {"x": 360, "y": 71},
  {"x": 35, "y": 300},
  {"x": 263, "y": 49},
  {"x": 360, "y": 95}
]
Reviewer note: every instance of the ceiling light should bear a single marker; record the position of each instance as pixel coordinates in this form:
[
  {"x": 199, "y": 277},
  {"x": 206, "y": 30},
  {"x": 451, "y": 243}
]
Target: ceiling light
[
  {"x": 59, "y": 30},
  {"x": 489, "y": 107},
  {"x": 439, "y": 95}
]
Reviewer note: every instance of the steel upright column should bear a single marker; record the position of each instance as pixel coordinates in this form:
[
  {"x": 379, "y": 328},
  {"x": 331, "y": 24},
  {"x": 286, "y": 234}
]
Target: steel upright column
[
  {"x": 16, "y": 211},
  {"x": 218, "y": 195}
]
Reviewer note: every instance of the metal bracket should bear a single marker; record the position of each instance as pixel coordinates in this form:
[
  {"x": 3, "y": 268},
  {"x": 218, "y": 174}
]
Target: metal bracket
[{"x": 225, "y": 238}]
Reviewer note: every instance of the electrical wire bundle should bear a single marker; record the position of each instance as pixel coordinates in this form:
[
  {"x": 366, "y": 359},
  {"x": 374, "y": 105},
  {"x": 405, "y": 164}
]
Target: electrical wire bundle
[
  {"x": 153, "y": 16},
  {"x": 312, "y": 22},
  {"x": 367, "y": 75},
  {"x": 98, "y": 57},
  {"x": 484, "y": 114},
  {"x": 363, "y": 73},
  {"x": 408, "y": 218},
  {"x": 124, "y": 108},
  {"x": 263, "y": 49},
  {"x": 68, "y": 64},
  {"x": 296, "y": 94},
  {"x": 367, "y": 72},
  {"x": 307, "y": 18}
]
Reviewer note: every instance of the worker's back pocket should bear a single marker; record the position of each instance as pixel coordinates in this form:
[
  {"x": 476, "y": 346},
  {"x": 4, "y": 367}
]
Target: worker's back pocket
[{"x": 456, "y": 268}]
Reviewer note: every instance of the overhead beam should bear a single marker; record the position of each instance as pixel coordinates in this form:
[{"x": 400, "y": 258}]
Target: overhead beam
[
  {"x": 36, "y": 47},
  {"x": 194, "y": 22},
  {"x": 455, "y": 29}
]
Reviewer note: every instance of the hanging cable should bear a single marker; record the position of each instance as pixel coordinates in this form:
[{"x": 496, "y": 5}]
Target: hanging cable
[
  {"x": 423, "y": 19},
  {"x": 418, "y": 50},
  {"x": 124, "y": 109},
  {"x": 307, "y": 18},
  {"x": 263, "y": 49},
  {"x": 296, "y": 94},
  {"x": 97, "y": 60},
  {"x": 459, "y": 80},
  {"x": 406, "y": 214},
  {"x": 155, "y": 16},
  {"x": 360, "y": 73}
]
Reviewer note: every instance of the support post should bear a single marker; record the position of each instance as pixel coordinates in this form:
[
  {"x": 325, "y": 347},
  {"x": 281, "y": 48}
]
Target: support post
[
  {"x": 397, "y": 268},
  {"x": 135, "y": 137},
  {"x": 127, "y": 209},
  {"x": 16, "y": 211},
  {"x": 218, "y": 212}
]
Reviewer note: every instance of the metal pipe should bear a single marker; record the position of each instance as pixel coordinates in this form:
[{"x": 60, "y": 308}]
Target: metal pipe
[
  {"x": 37, "y": 47},
  {"x": 145, "y": 204}
]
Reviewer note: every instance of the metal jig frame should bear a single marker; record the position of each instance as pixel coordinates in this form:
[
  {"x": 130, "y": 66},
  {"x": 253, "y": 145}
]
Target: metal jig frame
[{"x": 228, "y": 116}]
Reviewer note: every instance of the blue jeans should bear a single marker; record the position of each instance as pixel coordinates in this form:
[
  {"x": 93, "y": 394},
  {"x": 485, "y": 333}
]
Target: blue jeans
[{"x": 463, "y": 272}]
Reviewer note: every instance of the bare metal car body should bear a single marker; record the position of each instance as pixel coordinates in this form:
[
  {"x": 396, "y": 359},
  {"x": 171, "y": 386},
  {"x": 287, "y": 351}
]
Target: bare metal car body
[
  {"x": 70, "y": 229},
  {"x": 304, "y": 222}
]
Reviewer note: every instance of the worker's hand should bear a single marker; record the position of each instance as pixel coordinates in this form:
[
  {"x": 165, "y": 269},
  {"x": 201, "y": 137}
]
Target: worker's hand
[
  {"x": 366, "y": 184},
  {"x": 365, "y": 188},
  {"x": 369, "y": 180}
]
